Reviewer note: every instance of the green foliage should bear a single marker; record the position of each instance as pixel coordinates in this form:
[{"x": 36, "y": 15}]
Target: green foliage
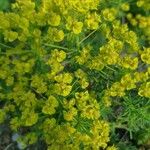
[
  {"x": 136, "y": 113},
  {"x": 4, "y": 4}
]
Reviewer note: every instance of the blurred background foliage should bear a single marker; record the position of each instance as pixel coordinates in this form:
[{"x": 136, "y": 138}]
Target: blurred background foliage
[{"x": 4, "y": 4}]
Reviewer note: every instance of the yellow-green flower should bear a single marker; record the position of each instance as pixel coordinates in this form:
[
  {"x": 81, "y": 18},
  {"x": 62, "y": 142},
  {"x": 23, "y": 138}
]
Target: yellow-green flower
[
  {"x": 64, "y": 78},
  {"x": 128, "y": 82},
  {"x": 54, "y": 19},
  {"x": 92, "y": 21},
  {"x": 62, "y": 89},
  {"x": 144, "y": 90},
  {"x": 70, "y": 114},
  {"x": 58, "y": 55},
  {"x": 77, "y": 27},
  {"x": 109, "y": 14},
  {"x": 50, "y": 105},
  {"x": 145, "y": 56},
  {"x": 125, "y": 7},
  {"x": 55, "y": 34},
  {"x": 74, "y": 25},
  {"x": 10, "y": 35}
]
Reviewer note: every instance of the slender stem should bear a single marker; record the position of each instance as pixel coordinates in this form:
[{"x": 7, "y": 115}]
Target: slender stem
[
  {"x": 38, "y": 93},
  {"x": 102, "y": 75},
  {"x": 122, "y": 127},
  {"x": 87, "y": 36},
  {"x": 15, "y": 52},
  {"x": 110, "y": 68},
  {"x": 8, "y": 147},
  {"x": 5, "y": 45},
  {"x": 56, "y": 46}
]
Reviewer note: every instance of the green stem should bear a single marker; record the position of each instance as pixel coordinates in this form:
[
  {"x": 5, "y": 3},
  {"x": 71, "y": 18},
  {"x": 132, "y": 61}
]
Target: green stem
[
  {"x": 5, "y": 45},
  {"x": 15, "y": 52},
  {"x": 87, "y": 36},
  {"x": 110, "y": 68},
  {"x": 56, "y": 46},
  {"x": 9, "y": 146},
  {"x": 122, "y": 127}
]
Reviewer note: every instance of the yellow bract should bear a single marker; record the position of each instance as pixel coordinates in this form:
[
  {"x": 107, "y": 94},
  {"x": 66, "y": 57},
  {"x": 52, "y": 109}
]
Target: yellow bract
[
  {"x": 54, "y": 19},
  {"x": 10, "y": 35},
  {"x": 144, "y": 90},
  {"x": 29, "y": 118},
  {"x": 64, "y": 78},
  {"x": 129, "y": 63},
  {"x": 93, "y": 21},
  {"x": 62, "y": 89},
  {"x": 70, "y": 114},
  {"x": 55, "y": 34},
  {"x": 128, "y": 82},
  {"x": 58, "y": 55},
  {"x": 109, "y": 14},
  {"x": 50, "y": 105},
  {"x": 125, "y": 7},
  {"x": 74, "y": 25},
  {"x": 145, "y": 56}
]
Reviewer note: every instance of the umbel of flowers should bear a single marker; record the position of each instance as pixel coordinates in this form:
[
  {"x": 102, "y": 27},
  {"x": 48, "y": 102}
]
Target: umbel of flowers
[{"x": 46, "y": 65}]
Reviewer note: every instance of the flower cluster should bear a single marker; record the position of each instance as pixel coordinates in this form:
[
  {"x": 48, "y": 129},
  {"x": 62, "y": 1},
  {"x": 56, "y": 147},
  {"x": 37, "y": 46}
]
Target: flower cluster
[{"x": 58, "y": 66}]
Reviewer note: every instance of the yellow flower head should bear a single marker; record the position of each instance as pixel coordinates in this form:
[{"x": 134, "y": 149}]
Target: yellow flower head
[
  {"x": 145, "y": 56},
  {"x": 125, "y": 7},
  {"x": 54, "y": 19}
]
